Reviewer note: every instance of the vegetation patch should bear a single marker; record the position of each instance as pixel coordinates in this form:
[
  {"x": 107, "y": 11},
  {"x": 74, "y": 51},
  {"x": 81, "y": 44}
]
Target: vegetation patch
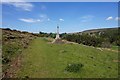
[{"x": 74, "y": 67}]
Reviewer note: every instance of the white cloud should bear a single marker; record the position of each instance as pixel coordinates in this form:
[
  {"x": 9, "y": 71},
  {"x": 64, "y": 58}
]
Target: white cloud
[
  {"x": 29, "y": 20},
  {"x": 117, "y": 18},
  {"x": 21, "y": 4},
  {"x": 38, "y": 20},
  {"x": 44, "y": 17},
  {"x": 61, "y": 19},
  {"x": 48, "y": 19},
  {"x": 109, "y": 18}
]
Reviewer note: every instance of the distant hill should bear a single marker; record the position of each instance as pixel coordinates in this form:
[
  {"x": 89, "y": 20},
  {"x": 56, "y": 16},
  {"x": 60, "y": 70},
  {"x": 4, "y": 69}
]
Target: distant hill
[{"x": 97, "y": 30}]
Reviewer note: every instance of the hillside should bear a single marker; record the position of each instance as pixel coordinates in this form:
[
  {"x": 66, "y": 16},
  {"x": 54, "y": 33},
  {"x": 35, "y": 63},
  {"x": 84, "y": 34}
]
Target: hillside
[
  {"x": 97, "y": 30},
  {"x": 13, "y": 43},
  {"x": 105, "y": 38}
]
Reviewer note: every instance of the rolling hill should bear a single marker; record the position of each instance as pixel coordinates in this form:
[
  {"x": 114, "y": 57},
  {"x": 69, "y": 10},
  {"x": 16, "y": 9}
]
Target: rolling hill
[{"x": 98, "y": 30}]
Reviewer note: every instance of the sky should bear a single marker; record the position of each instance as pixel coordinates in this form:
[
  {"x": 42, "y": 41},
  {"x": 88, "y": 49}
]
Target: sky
[{"x": 70, "y": 16}]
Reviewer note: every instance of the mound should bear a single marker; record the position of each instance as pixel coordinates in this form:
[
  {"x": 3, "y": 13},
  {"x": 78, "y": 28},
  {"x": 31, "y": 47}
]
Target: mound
[{"x": 58, "y": 41}]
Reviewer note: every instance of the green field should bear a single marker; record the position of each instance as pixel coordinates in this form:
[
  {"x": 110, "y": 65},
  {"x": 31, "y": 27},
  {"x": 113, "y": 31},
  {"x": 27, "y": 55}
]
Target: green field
[{"x": 45, "y": 60}]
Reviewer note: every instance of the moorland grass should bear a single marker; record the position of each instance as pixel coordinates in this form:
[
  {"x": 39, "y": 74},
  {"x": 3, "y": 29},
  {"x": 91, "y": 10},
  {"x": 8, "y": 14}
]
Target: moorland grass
[{"x": 44, "y": 60}]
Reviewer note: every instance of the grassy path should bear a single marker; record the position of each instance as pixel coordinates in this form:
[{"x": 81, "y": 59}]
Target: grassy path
[{"x": 44, "y": 60}]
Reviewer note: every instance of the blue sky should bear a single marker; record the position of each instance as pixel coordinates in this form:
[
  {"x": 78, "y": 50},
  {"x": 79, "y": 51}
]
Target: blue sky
[{"x": 70, "y": 16}]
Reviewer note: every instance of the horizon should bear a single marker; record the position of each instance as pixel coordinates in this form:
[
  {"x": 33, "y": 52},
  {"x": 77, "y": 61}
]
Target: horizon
[
  {"x": 71, "y": 17},
  {"x": 60, "y": 32}
]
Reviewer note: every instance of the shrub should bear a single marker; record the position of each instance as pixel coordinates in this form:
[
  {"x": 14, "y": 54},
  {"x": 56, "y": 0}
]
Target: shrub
[
  {"x": 74, "y": 67},
  {"x": 10, "y": 49},
  {"x": 5, "y": 60},
  {"x": 7, "y": 29},
  {"x": 26, "y": 77}
]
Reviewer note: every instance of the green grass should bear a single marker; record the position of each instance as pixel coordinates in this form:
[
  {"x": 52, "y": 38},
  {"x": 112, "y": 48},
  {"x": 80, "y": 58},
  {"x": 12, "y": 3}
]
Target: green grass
[{"x": 44, "y": 60}]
